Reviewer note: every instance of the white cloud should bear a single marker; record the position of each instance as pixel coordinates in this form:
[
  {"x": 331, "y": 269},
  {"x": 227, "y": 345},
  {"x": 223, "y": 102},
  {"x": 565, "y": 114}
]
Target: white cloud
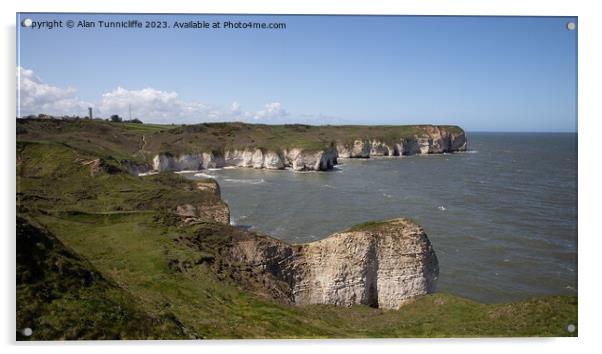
[
  {"x": 148, "y": 104},
  {"x": 154, "y": 105},
  {"x": 235, "y": 108},
  {"x": 37, "y": 97},
  {"x": 272, "y": 112},
  {"x": 151, "y": 105}
]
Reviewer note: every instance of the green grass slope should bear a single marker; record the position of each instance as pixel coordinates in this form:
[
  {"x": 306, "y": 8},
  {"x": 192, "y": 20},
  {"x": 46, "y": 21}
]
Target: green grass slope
[
  {"x": 101, "y": 255},
  {"x": 62, "y": 296}
]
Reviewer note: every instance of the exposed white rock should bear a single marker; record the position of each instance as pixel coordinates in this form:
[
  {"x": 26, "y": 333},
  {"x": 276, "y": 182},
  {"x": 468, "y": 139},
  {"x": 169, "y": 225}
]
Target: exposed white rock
[
  {"x": 381, "y": 265},
  {"x": 272, "y": 161},
  {"x": 343, "y": 151},
  {"x": 378, "y": 148},
  {"x": 257, "y": 159},
  {"x": 424, "y": 145},
  {"x": 170, "y": 163},
  {"x": 248, "y": 158},
  {"x": 234, "y": 158},
  {"x": 188, "y": 162},
  {"x": 300, "y": 160},
  {"x": 361, "y": 148},
  {"x": 161, "y": 163},
  {"x": 211, "y": 160}
]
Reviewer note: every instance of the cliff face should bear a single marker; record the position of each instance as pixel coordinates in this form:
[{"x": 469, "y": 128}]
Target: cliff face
[
  {"x": 187, "y": 162},
  {"x": 380, "y": 265},
  {"x": 295, "y": 159},
  {"x": 433, "y": 140}
]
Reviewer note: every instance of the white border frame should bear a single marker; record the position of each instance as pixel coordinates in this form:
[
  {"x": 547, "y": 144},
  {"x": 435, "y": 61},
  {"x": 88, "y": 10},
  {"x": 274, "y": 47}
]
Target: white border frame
[{"x": 589, "y": 176}]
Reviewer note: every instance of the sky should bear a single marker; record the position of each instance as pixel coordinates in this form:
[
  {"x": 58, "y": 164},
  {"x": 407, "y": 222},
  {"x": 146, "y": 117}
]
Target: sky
[{"x": 481, "y": 73}]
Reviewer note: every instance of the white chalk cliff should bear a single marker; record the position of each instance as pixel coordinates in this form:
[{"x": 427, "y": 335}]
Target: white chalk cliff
[
  {"x": 435, "y": 140},
  {"x": 380, "y": 264}
]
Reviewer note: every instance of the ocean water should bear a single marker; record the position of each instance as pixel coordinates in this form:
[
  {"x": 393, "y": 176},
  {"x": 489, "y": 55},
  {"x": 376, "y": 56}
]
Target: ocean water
[{"x": 502, "y": 217}]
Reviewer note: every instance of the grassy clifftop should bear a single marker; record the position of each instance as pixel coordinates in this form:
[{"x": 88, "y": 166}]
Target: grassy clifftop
[
  {"x": 139, "y": 142},
  {"x": 101, "y": 254},
  {"x": 60, "y": 295}
]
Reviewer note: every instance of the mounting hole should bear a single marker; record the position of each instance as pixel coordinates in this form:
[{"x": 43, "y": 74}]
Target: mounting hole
[
  {"x": 27, "y": 332},
  {"x": 571, "y": 328},
  {"x": 571, "y": 26}
]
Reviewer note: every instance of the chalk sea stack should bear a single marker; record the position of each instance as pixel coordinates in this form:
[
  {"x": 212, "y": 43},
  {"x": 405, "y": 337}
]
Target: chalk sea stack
[{"x": 379, "y": 264}]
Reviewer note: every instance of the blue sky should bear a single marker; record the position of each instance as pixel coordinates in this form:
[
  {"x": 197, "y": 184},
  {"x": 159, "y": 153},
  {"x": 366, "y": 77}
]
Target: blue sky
[{"x": 482, "y": 73}]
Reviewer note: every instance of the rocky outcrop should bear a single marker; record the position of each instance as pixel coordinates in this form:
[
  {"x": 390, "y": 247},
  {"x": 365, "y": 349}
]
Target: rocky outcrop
[
  {"x": 458, "y": 142},
  {"x": 209, "y": 209},
  {"x": 257, "y": 158},
  {"x": 187, "y": 162},
  {"x": 435, "y": 140},
  {"x": 211, "y": 186},
  {"x": 361, "y": 148},
  {"x": 212, "y": 160},
  {"x": 192, "y": 213},
  {"x": 378, "y": 148},
  {"x": 300, "y": 160},
  {"x": 379, "y": 264},
  {"x": 169, "y": 163}
]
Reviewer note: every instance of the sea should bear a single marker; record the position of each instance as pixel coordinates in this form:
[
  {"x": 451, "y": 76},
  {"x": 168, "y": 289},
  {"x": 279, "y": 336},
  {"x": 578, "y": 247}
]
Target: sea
[{"x": 502, "y": 216}]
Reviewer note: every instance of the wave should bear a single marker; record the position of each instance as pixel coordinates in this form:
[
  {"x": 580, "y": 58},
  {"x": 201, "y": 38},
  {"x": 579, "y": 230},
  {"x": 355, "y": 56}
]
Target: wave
[
  {"x": 306, "y": 171},
  {"x": 186, "y": 171},
  {"x": 201, "y": 174},
  {"x": 442, "y": 208},
  {"x": 245, "y": 181},
  {"x": 570, "y": 288}
]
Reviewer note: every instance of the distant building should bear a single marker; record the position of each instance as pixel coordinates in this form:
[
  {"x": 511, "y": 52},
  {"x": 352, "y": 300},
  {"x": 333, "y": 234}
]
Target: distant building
[
  {"x": 90, "y": 116},
  {"x": 116, "y": 118}
]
